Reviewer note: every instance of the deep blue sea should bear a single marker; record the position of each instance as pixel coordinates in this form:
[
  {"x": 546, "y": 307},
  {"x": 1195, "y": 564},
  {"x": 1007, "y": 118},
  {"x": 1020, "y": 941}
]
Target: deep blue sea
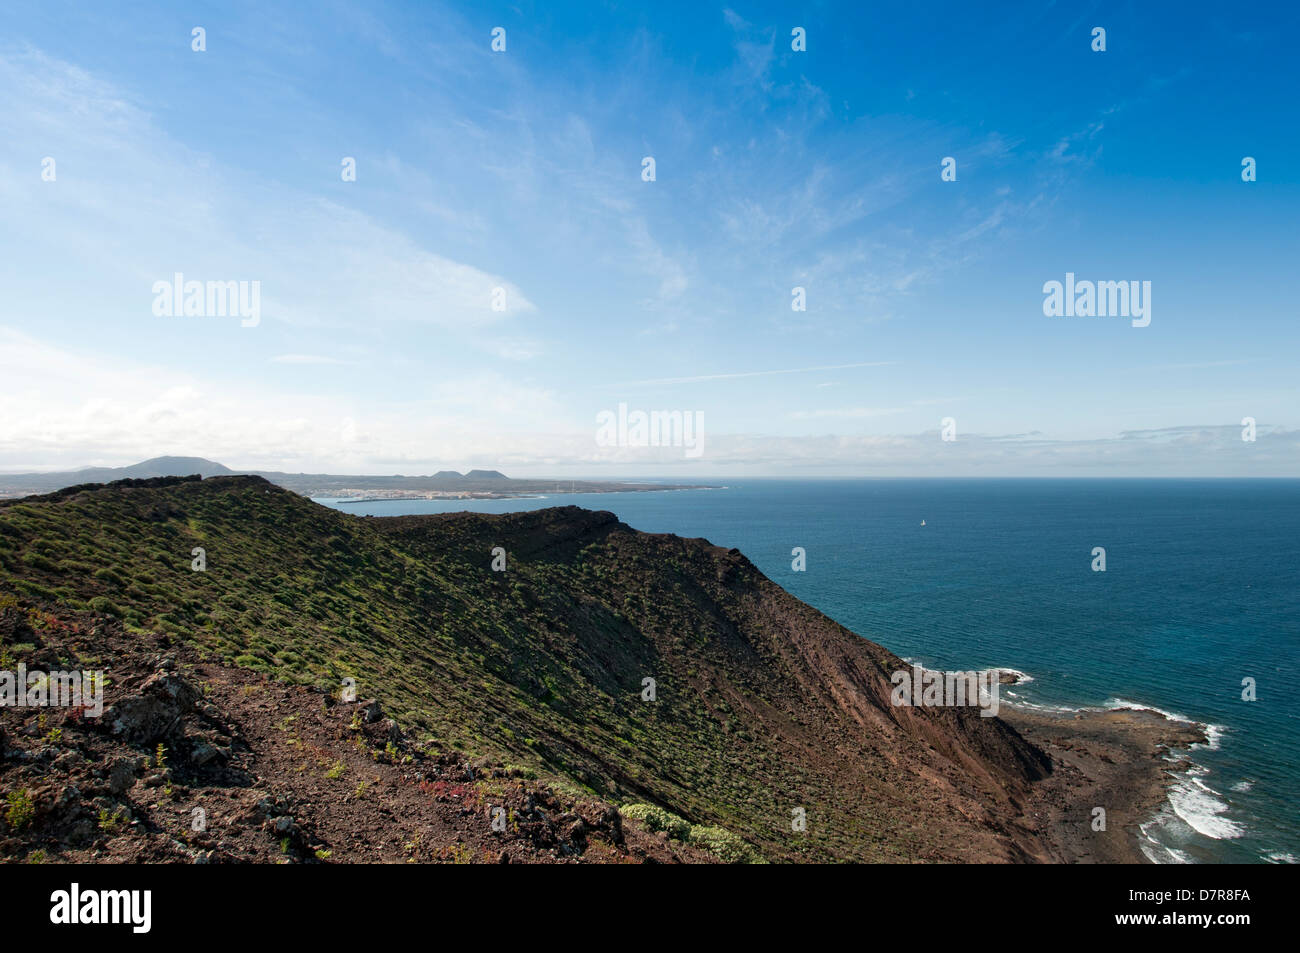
[{"x": 1201, "y": 590}]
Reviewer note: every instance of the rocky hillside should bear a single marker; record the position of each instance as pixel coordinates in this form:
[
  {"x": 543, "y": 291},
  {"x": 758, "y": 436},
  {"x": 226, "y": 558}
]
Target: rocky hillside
[{"x": 529, "y": 682}]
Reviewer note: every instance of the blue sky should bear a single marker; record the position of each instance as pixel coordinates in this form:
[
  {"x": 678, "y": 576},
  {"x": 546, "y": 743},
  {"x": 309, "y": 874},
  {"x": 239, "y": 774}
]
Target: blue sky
[{"x": 378, "y": 350}]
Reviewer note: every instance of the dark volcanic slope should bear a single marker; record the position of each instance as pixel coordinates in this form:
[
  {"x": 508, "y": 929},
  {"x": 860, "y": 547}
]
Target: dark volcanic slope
[
  {"x": 277, "y": 773},
  {"x": 763, "y": 704}
]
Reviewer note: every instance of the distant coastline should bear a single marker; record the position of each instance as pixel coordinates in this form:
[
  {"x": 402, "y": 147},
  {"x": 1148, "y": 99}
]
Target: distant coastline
[
  {"x": 1132, "y": 758},
  {"x": 443, "y": 485},
  {"x": 416, "y": 495}
]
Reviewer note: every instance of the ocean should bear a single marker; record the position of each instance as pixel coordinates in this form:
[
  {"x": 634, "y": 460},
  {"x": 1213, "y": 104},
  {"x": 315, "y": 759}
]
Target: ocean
[{"x": 1201, "y": 590}]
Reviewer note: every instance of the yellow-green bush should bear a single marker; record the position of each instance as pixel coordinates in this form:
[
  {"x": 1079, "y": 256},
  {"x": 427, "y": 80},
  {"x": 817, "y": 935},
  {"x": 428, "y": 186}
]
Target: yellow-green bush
[{"x": 657, "y": 819}]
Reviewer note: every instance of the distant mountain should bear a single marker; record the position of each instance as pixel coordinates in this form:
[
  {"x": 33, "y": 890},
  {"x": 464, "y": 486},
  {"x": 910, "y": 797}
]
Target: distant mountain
[
  {"x": 27, "y": 483},
  {"x": 485, "y": 475},
  {"x": 170, "y": 466}
]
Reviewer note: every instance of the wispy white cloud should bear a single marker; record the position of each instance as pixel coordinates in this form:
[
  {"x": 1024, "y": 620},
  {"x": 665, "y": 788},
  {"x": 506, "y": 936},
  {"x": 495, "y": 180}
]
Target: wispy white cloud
[
  {"x": 320, "y": 262},
  {"x": 63, "y": 407},
  {"x": 74, "y": 407}
]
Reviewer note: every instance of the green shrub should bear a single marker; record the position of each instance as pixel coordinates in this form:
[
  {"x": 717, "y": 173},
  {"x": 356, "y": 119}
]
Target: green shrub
[
  {"x": 21, "y": 808},
  {"x": 108, "y": 575},
  {"x": 657, "y": 819},
  {"x": 37, "y": 561},
  {"x": 106, "y": 606},
  {"x": 722, "y": 843}
]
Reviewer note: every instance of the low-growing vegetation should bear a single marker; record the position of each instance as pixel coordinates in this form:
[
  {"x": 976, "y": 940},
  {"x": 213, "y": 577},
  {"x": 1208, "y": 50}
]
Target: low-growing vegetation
[{"x": 725, "y": 845}]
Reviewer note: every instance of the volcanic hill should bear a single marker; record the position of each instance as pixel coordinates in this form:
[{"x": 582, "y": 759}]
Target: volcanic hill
[{"x": 525, "y": 687}]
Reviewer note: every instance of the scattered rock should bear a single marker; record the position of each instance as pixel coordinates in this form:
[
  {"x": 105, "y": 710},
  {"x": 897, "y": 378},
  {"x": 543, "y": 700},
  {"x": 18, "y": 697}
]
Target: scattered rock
[
  {"x": 204, "y": 753},
  {"x": 393, "y": 733},
  {"x": 122, "y": 775},
  {"x": 154, "y": 714}
]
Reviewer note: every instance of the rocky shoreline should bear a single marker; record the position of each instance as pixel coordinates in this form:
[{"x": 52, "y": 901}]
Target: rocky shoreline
[{"x": 1117, "y": 760}]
